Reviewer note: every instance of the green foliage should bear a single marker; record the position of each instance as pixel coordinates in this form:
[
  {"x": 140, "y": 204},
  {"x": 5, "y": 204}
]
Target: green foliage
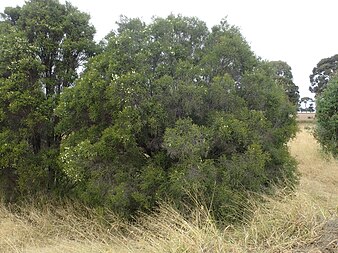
[
  {"x": 327, "y": 117},
  {"x": 227, "y": 52},
  {"x": 166, "y": 111},
  {"x": 283, "y": 76},
  {"x": 171, "y": 109},
  {"x": 186, "y": 140},
  {"x": 21, "y": 110},
  {"x": 321, "y": 74},
  {"x": 42, "y": 45},
  {"x": 308, "y": 103}
]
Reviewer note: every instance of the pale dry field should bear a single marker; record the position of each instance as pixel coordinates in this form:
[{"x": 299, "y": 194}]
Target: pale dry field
[
  {"x": 319, "y": 172},
  {"x": 306, "y": 117},
  {"x": 304, "y": 221}
]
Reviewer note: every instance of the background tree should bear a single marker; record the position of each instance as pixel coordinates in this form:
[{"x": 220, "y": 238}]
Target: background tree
[
  {"x": 171, "y": 109},
  {"x": 283, "y": 76},
  {"x": 50, "y": 42},
  {"x": 322, "y": 73},
  {"x": 305, "y": 100},
  {"x": 327, "y": 117},
  {"x": 311, "y": 108}
]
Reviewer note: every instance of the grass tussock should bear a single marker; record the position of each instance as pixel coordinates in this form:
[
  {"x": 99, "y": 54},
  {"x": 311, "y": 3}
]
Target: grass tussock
[
  {"x": 169, "y": 231},
  {"x": 50, "y": 228},
  {"x": 283, "y": 223},
  {"x": 288, "y": 222}
]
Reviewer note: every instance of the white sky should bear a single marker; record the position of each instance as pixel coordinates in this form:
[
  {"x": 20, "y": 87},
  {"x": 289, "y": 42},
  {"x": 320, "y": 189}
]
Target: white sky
[{"x": 298, "y": 32}]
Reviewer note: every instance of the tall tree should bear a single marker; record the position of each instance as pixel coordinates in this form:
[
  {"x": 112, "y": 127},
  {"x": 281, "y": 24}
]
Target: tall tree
[
  {"x": 21, "y": 109},
  {"x": 56, "y": 39},
  {"x": 322, "y": 73},
  {"x": 306, "y": 100},
  {"x": 283, "y": 76}
]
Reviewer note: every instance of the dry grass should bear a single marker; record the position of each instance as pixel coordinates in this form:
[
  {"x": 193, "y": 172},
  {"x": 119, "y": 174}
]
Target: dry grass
[
  {"x": 169, "y": 231},
  {"x": 287, "y": 223},
  {"x": 65, "y": 228},
  {"x": 306, "y": 117},
  {"x": 319, "y": 172}
]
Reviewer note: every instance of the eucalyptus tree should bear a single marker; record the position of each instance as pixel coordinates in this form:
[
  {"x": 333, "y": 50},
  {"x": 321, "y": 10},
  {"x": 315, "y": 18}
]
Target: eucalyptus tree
[
  {"x": 283, "y": 76},
  {"x": 322, "y": 73},
  {"x": 306, "y": 100}
]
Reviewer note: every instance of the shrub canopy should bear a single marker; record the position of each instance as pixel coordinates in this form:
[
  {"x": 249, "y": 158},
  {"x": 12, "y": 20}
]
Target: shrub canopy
[
  {"x": 172, "y": 109},
  {"x": 327, "y": 117},
  {"x": 166, "y": 110}
]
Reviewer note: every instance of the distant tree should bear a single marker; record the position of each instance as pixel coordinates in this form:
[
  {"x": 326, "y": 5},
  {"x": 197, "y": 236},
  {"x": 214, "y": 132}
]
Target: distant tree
[
  {"x": 311, "y": 108},
  {"x": 42, "y": 45},
  {"x": 306, "y": 100},
  {"x": 281, "y": 69},
  {"x": 322, "y": 73},
  {"x": 283, "y": 76},
  {"x": 327, "y": 117}
]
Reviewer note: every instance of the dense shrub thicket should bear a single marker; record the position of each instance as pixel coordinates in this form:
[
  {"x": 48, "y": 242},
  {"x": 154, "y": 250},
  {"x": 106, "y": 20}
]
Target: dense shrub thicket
[
  {"x": 170, "y": 109},
  {"x": 327, "y": 117},
  {"x": 166, "y": 110},
  {"x": 42, "y": 45}
]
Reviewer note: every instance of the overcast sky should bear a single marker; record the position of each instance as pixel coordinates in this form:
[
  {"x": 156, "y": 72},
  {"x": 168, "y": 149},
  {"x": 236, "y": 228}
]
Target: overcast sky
[{"x": 298, "y": 32}]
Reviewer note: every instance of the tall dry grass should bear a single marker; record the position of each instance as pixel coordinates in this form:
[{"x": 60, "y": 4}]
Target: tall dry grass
[
  {"x": 63, "y": 227},
  {"x": 289, "y": 222},
  {"x": 319, "y": 171}
]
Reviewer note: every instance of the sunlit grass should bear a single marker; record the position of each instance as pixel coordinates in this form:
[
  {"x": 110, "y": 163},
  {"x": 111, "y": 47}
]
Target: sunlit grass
[{"x": 319, "y": 171}]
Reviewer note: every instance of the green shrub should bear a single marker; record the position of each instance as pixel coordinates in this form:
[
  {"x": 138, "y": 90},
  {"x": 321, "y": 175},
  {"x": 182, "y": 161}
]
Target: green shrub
[
  {"x": 171, "y": 110},
  {"x": 327, "y": 118}
]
